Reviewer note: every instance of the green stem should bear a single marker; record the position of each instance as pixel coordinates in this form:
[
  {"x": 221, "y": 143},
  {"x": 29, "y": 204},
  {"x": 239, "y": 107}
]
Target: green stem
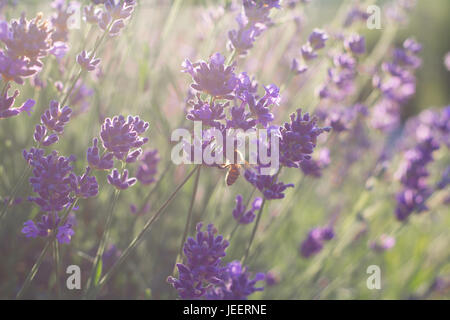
[
  {"x": 33, "y": 271},
  {"x": 255, "y": 227},
  {"x": 152, "y": 191},
  {"x": 57, "y": 268},
  {"x": 189, "y": 218},
  {"x": 14, "y": 191},
  {"x": 191, "y": 207},
  {"x": 97, "y": 266},
  {"x": 140, "y": 236}
]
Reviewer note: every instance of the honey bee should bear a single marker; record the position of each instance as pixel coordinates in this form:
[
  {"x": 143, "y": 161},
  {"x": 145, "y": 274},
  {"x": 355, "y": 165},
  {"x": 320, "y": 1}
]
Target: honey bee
[
  {"x": 233, "y": 173},
  {"x": 234, "y": 169}
]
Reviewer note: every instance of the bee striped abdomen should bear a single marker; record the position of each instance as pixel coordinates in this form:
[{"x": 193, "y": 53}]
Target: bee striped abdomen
[{"x": 232, "y": 174}]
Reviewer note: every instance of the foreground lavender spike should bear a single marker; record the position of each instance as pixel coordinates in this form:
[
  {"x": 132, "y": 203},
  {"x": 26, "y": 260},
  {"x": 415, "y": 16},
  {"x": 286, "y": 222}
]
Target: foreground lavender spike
[
  {"x": 57, "y": 188},
  {"x": 202, "y": 269},
  {"x": 236, "y": 283}
]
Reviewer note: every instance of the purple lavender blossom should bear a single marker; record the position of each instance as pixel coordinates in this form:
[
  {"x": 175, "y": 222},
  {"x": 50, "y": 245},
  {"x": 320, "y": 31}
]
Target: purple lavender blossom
[
  {"x": 308, "y": 52},
  {"x": 53, "y": 121},
  {"x": 112, "y": 19},
  {"x": 120, "y": 136},
  {"x": 85, "y": 186},
  {"x": 212, "y": 77},
  {"x": 242, "y": 39},
  {"x": 268, "y": 185},
  {"x": 6, "y": 102},
  {"x": 313, "y": 244},
  {"x": 209, "y": 114},
  {"x": 48, "y": 224},
  {"x": 240, "y": 214},
  {"x": 240, "y": 119},
  {"x": 50, "y": 180},
  {"x": 91, "y": 14},
  {"x": 105, "y": 162},
  {"x": 413, "y": 174},
  {"x": 355, "y": 14},
  {"x": 28, "y": 39},
  {"x": 298, "y": 139},
  {"x": 297, "y": 68},
  {"x": 272, "y": 278},
  {"x": 204, "y": 254},
  {"x": 356, "y": 44},
  {"x": 87, "y": 61},
  {"x": 259, "y": 108},
  {"x": 121, "y": 182},
  {"x": 148, "y": 167},
  {"x": 15, "y": 69},
  {"x": 60, "y": 20},
  {"x": 317, "y": 39},
  {"x": 236, "y": 283}
]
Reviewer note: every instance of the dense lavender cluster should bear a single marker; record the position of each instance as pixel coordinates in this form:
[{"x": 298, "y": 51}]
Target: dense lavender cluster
[
  {"x": 57, "y": 187},
  {"x": 299, "y": 138},
  {"x": 121, "y": 139},
  {"x": 203, "y": 268},
  {"x": 204, "y": 277},
  {"x": 236, "y": 283}
]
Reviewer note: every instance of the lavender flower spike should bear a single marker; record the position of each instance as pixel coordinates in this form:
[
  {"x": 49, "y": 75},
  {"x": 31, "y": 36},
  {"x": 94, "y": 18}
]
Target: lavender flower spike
[
  {"x": 121, "y": 182},
  {"x": 6, "y": 102},
  {"x": 317, "y": 39},
  {"x": 87, "y": 61},
  {"x": 239, "y": 213},
  {"x": 120, "y": 136},
  {"x": 105, "y": 162},
  {"x": 213, "y": 77},
  {"x": 202, "y": 269}
]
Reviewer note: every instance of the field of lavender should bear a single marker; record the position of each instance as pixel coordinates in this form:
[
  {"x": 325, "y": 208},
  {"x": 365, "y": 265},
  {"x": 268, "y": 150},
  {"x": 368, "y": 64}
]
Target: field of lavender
[{"x": 94, "y": 205}]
